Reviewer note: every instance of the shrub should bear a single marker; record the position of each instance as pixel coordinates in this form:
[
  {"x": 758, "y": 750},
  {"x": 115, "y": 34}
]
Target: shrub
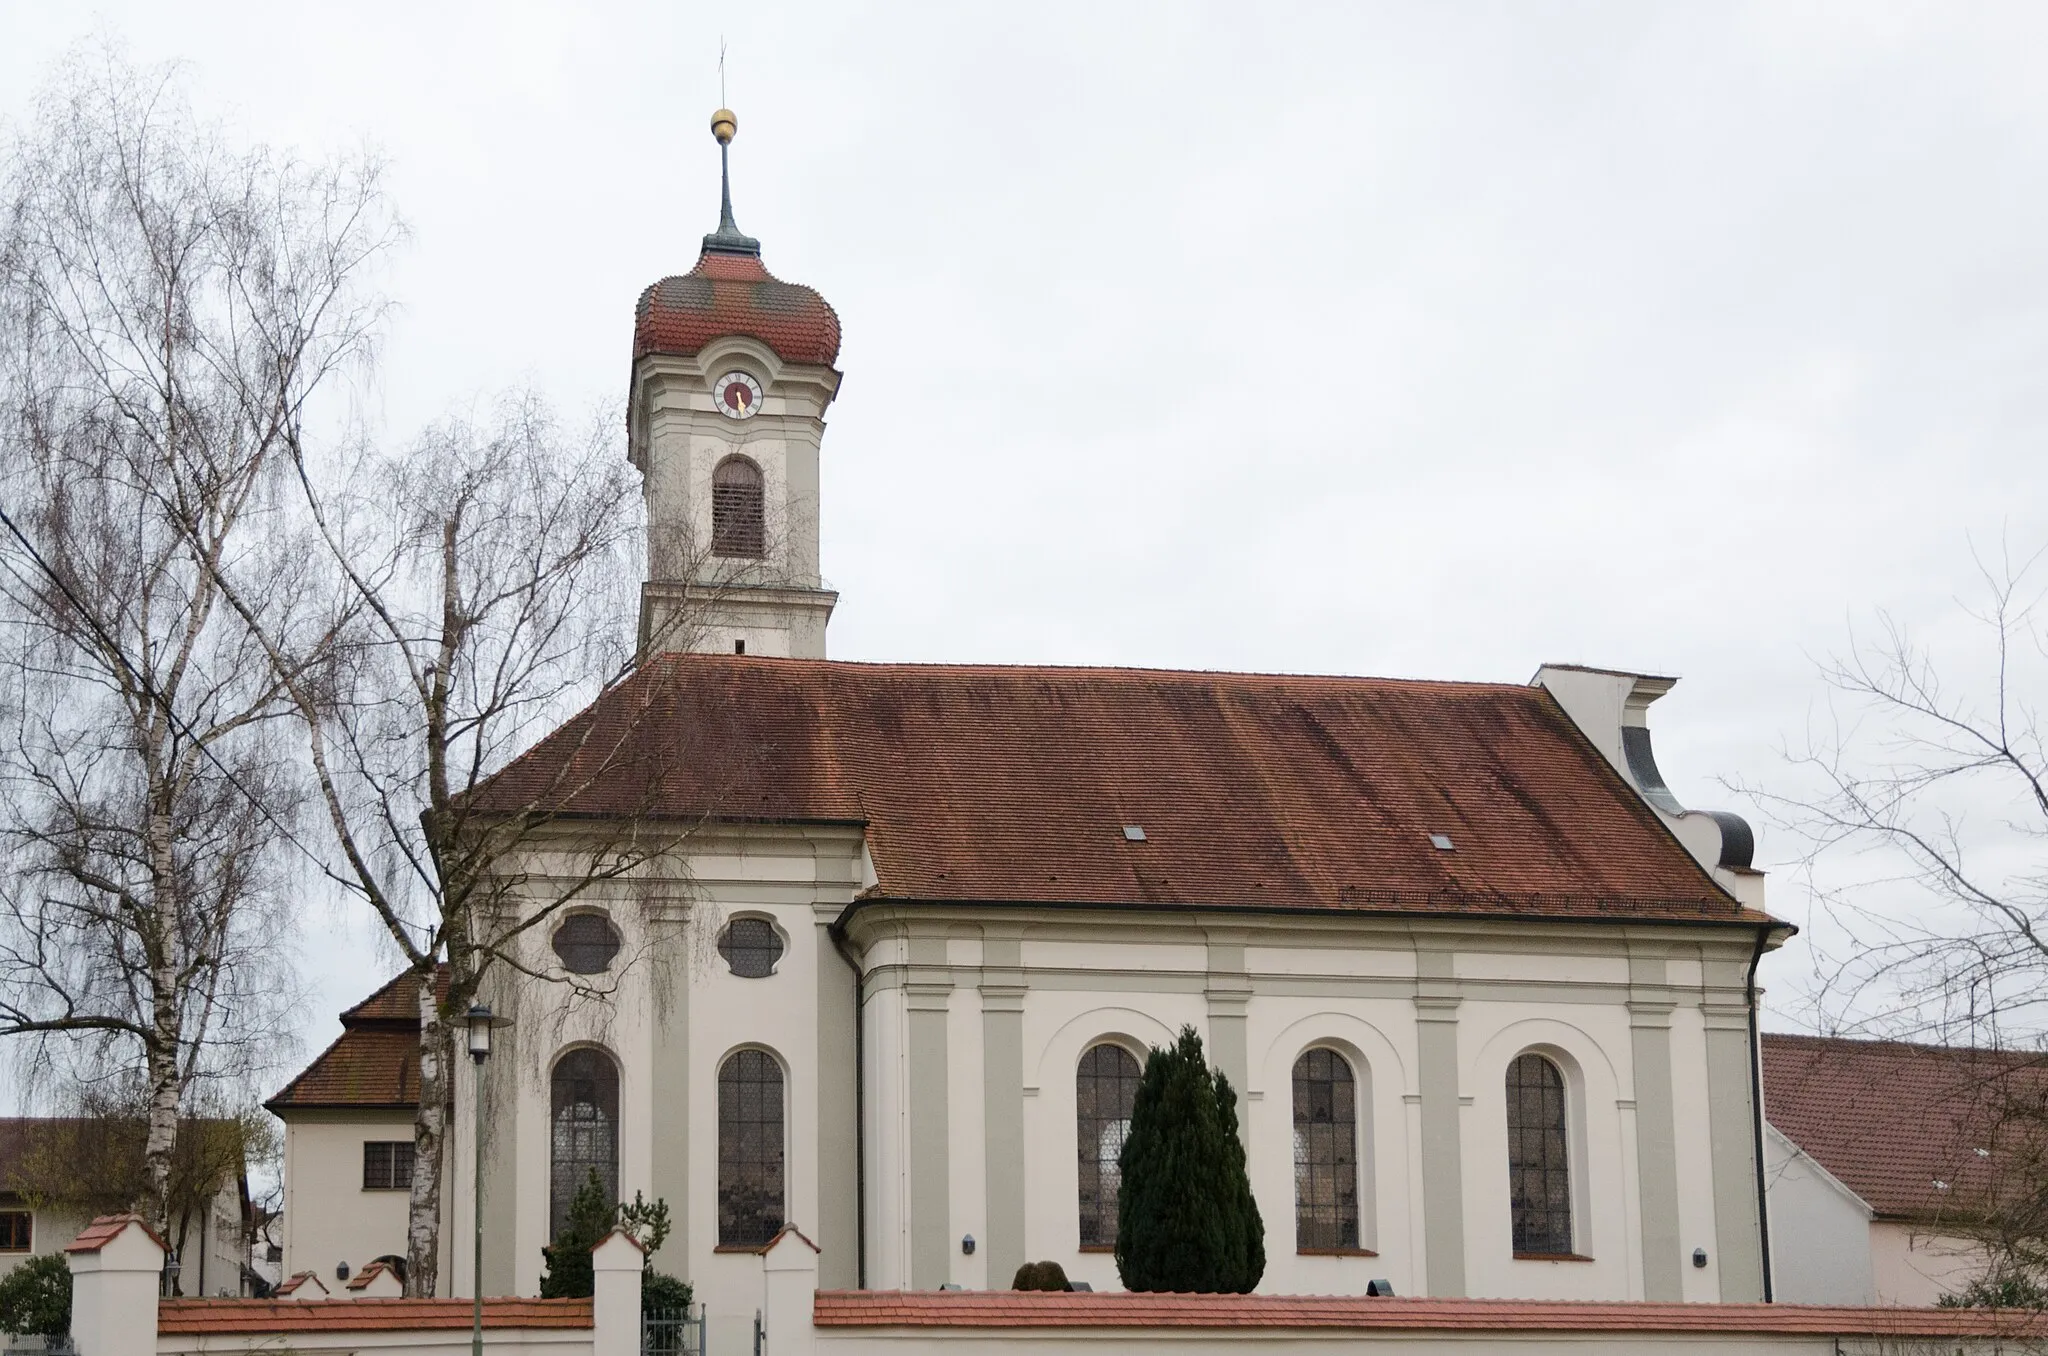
[
  {"x": 1186, "y": 1220},
  {"x": 2002, "y": 1289},
  {"x": 35, "y": 1298},
  {"x": 1041, "y": 1276},
  {"x": 592, "y": 1212},
  {"x": 661, "y": 1293}
]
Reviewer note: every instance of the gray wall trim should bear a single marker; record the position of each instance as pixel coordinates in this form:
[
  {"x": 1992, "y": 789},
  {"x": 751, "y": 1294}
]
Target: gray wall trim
[
  {"x": 1002, "y": 1091},
  {"x": 670, "y": 1141},
  {"x": 931, "y": 1224},
  {"x": 1649, "y": 1009},
  {"x": 838, "y": 1169},
  {"x": 1228, "y": 990},
  {"x": 1443, "y": 1187},
  {"x": 884, "y": 978},
  {"x": 1738, "y": 1241}
]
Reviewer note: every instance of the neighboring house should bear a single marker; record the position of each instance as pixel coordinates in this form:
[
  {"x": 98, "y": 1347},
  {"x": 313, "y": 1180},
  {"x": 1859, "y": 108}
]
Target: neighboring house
[
  {"x": 37, "y": 1218},
  {"x": 1485, "y": 988},
  {"x": 1878, "y": 1146}
]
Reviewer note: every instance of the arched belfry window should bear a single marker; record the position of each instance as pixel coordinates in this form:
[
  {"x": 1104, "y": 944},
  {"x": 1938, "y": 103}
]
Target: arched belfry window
[
  {"x": 1105, "y": 1089},
  {"x": 1325, "y": 1153},
  {"x": 750, "y": 1157},
  {"x": 1539, "y": 1158},
  {"x": 738, "y": 510},
  {"x": 584, "y": 1130}
]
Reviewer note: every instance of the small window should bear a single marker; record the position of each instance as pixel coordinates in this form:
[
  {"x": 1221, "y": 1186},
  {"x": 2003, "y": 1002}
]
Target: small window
[
  {"x": 750, "y": 947},
  {"x": 1539, "y": 1158},
  {"x": 387, "y": 1165},
  {"x": 17, "y": 1230},
  {"x": 738, "y": 526},
  {"x": 586, "y": 942}
]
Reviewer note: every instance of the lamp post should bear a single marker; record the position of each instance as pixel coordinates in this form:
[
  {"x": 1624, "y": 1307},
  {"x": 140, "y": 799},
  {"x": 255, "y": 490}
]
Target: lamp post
[{"x": 479, "y": 1017}]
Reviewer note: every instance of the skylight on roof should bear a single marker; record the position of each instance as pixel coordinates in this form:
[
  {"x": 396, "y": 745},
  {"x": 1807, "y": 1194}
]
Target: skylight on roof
[
  {"x": 1442, "y": 842},
  {"x": 1134, "y": 833}
]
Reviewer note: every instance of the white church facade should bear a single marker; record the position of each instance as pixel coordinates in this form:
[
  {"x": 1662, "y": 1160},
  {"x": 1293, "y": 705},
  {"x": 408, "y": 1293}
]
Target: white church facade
[{"x": 1487, "y": 992}]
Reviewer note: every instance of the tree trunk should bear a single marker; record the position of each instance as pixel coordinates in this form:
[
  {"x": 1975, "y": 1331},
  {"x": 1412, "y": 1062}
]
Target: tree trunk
[
  {"x": 429, "y": 1142},
  {"x": 162, "y": 1049}
]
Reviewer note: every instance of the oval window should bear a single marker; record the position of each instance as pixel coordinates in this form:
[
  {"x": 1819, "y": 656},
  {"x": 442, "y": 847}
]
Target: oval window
[
  {"x": 586, "y": 942},
  {"x": 751, "y": 947}
]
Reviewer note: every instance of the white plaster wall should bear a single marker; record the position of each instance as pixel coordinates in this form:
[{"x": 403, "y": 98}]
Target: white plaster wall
[
  {"x": 1820, "y": 1231},
  {"x": 1695, "y": 1145},
  {"x": 328, "y": 1216},
  {"x": 1913, "y": 1267}
]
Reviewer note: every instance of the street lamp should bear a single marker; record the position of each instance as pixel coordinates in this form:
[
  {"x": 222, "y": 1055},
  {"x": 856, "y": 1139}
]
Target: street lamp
[{"x": 479, "y": 1017}]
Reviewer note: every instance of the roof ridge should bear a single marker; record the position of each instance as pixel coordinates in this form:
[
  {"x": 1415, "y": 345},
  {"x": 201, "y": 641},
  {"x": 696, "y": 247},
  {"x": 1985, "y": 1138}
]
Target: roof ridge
[{"x": 1131, "y": 670}]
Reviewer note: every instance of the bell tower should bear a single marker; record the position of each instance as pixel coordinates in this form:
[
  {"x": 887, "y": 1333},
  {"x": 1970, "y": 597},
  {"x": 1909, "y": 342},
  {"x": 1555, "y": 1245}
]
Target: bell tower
[{"x": 732, "y": 374}]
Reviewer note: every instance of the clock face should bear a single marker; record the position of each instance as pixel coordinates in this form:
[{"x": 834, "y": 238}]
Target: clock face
[{"x": 738, "y": 395}]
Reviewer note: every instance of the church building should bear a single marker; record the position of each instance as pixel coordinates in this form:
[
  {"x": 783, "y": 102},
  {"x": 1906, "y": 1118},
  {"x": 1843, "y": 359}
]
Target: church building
[{"x": 1486, "y": 990}]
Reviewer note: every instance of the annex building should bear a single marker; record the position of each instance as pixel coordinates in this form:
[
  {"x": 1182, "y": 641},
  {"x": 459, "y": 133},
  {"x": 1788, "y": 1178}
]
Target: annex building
[{"x": 1486, "y": 989}]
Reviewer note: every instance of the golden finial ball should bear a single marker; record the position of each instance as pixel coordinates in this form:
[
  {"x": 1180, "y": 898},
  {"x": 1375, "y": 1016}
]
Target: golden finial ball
[{"x": 723, "y": 125}]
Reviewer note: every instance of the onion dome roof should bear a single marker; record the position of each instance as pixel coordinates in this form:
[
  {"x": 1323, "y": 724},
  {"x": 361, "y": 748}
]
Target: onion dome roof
[{"x": 730, "y": 292}]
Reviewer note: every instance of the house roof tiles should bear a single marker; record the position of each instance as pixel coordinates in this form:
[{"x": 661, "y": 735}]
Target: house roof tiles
[
  {"x": 1014, "y": 784},
  {"x": 727, "y": 294},
  {"x": 1899, "y": 1124}
]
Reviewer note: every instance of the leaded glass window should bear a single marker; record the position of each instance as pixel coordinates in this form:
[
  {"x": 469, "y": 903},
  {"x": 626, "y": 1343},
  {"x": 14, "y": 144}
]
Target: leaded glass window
[
  {"x": 1539, "y": 1158},
  {"x": 750, "y": 1157},
  {"x": 751, "y": 947},
  {"x": 1105, "y": 1089},
  {"x": 1325, "y": 1153},
  {"x": 586, "y": 943},
  {"x": 584, "y": 1130}
]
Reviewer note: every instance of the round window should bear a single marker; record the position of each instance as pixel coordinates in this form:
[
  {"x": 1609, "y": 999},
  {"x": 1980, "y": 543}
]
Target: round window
[
  {"x": 586, "y": 942},
  {"x": 750, "y": 947}
]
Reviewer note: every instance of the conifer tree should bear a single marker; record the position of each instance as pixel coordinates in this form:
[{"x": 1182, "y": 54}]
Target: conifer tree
[
  {"x": 1186, "y": 1220},
  {"x": 570, "y": 1274}
]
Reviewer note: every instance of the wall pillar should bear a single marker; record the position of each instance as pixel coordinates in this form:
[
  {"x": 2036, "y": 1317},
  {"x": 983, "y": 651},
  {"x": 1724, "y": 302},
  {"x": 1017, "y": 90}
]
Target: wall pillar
[
  {"x": 1443, "y": 1154},
  {"x": 1730, "y": 1110},
  {"x": 1649, "y": 1020},
  {"x": 1002, "y": 1084},
  {"x": 926, "y": 997},
  {"x": 1229, "y": 993},
  {"x": 116, "y": 1269},
  {"x": 616, "y": 1263},
  {"x": 838, "y": 1101},
  {"x": 789, "y": 1286}
]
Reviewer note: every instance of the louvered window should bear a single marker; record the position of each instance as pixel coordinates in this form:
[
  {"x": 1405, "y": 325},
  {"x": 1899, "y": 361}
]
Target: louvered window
[
  {"x": 1539, "y": 1158},
  {"x": 1325, "y": 1153},
  {"x": 738, "y": 510}
]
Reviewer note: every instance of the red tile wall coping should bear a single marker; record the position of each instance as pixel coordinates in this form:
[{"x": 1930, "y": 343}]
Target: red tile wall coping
[
  {"x": 1022, "y": 1309},
  {"x": 219, "y": 1316},
  {"x": 106, "y": 1229}
]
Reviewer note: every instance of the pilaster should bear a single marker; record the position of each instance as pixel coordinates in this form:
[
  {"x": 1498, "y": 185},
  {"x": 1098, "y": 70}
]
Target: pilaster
[
  {"x": 1002, "y": 1082},
  {"x": 927, "y": 994},
  {"x": 1443, "y": 1156}
]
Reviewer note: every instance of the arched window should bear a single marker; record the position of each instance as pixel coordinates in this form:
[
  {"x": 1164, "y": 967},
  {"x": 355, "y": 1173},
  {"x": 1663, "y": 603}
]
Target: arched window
[
  {"x": 1325, "y": 1153},
  {"x": 750, "y": 1201},
  {"x": 1105, "y": 1088},
  {"x": 1539, "y": 1158},
  {"x": 737, "y": 509},
  {"x": 584, "y": 1137}
]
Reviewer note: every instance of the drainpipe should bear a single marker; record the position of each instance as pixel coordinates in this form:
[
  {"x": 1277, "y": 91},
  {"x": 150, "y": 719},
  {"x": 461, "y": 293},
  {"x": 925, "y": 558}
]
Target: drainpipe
[
  {"x": 860, "y": 1115},
  {"x": 1756, "y": 1102}
]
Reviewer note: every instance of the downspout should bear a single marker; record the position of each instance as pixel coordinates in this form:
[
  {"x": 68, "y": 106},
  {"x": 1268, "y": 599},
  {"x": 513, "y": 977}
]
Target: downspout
[
  {"x": 1756, "y": 1102},
  {"x": 860, "y": 1115}
]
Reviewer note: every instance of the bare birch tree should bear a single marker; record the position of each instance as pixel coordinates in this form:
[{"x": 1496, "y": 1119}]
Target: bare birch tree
[
  {"x": 170, "y": 306},
  {"x": 1925, "y": 830},
  {"x": 484, "y": 594}
]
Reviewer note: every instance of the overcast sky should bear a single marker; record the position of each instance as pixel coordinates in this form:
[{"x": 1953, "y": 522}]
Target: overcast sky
[{"x": 1426, "y": 340}]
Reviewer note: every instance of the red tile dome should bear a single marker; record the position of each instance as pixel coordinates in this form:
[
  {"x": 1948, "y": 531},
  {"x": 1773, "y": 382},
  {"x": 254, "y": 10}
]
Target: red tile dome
[{"x": 732, "y": 293}]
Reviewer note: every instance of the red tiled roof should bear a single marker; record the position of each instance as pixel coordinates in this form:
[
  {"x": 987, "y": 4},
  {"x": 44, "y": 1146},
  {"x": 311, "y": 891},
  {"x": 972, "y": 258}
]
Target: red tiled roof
[
  {"x": 224, "y": 1316},
  {"x": 376, "y": 1061},
  {"x": 734, "y": 294},
  {"x": 106, "y": 1229},
  {"x": 1014, "y": 784},
  {"x": 1112, "y": 1309},
  {"x": 1889, "y": 1119}
]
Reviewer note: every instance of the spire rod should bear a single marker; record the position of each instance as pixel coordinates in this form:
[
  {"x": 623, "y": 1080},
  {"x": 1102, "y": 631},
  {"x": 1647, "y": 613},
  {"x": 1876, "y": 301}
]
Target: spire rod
[{"x": 727, "y": 239}]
